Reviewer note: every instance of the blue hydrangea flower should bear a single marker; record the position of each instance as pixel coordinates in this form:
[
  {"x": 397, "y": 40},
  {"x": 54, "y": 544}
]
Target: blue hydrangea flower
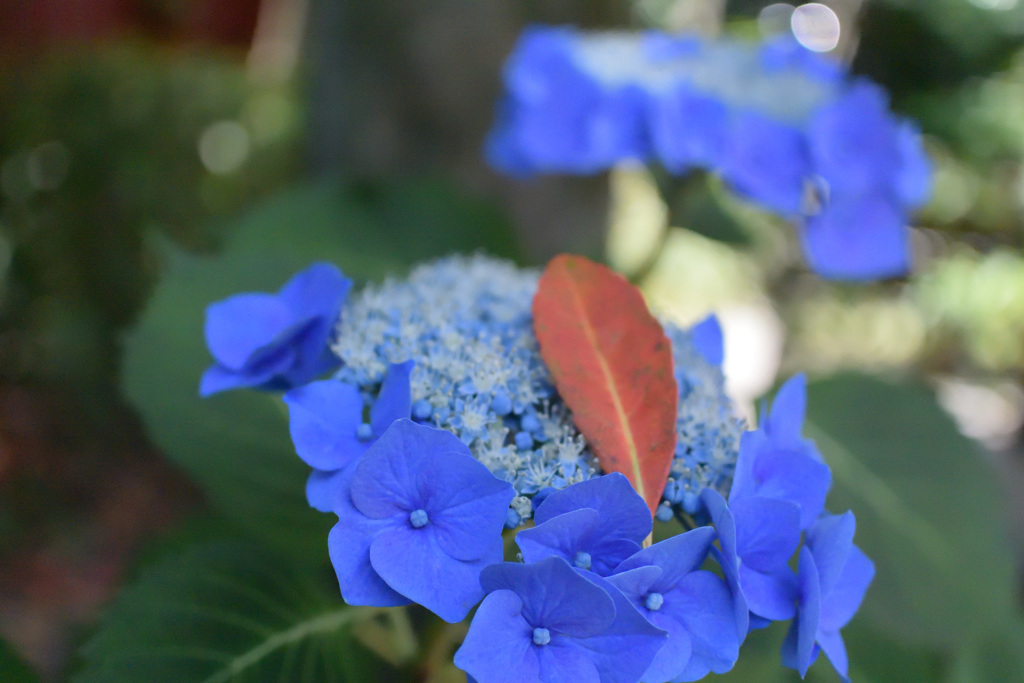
[
  {"x": 858, "y": 237},
  {"x": 467, "y": 324},
  {"x": 275, "y": 341},
  {"x": 327, "y": 428},
  {"x": 695, "y": 607},
  {"x": 594, "y": 525},
  {"x": 758, "y": 536},
  {"x": 776, "y": 461},
  {"x": 545, "y": 622},
  {"x": 875, "y": 169},
  {"x": 709, "y": 341},
  {"x": 834, "y": 575},
  {"x": 767, "y": 161},
  {"x": 783, "y": 126},
  {"x": 418, "y": 519}
]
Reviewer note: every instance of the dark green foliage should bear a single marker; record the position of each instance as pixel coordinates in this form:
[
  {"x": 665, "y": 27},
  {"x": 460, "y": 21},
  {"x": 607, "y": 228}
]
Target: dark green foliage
[
  {"x": 927, "y": 505},
  {"x": 230, "y": 612},
  {"x": 12, "y": 668}
]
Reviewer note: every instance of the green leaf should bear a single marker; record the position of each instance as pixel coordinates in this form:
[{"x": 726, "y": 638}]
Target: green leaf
[
  {"x": 995, "y": 657},
  {"x": 236, "y": 444},
  {"x": 12, "y": 668},
  {"x": 927, "y": 506},
  {"x": 230, "y": 612}
]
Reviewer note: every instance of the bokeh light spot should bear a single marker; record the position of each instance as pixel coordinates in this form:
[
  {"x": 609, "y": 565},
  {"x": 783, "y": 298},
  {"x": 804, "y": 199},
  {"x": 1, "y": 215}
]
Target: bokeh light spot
[
  {"x": 224, "y": 147},
  {"x": 775, "y": 19},
  {"x": 816, "y": 27}
]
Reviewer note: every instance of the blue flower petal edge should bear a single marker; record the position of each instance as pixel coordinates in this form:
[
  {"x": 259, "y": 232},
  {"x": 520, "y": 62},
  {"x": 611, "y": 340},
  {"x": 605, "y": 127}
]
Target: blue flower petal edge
[{"x": 275, "y": 341}]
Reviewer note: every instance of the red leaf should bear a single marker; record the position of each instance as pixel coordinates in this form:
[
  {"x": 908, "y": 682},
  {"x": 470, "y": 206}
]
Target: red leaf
[{"x": 612, "y": 364}]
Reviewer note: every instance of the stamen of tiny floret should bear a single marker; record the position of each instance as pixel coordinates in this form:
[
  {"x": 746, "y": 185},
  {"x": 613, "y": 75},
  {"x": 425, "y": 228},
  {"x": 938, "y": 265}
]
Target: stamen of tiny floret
[
  {"x": 541, "y": 636},
  {"x": 654, "y": 601},
  {"x": 364, "y": 432},
  {"x": 419, "y": 518},
  {"x": 582, "y": 560}
]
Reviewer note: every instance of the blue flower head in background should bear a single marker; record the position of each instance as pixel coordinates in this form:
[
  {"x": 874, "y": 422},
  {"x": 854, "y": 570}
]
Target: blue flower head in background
[
  {"x": 275, "y": 341},
  {"x": 784, "y": 127}
]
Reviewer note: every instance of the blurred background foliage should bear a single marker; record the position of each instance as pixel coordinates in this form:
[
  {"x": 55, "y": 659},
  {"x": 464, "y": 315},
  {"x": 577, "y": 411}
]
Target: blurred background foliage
[{"x": 156, "y": 155}]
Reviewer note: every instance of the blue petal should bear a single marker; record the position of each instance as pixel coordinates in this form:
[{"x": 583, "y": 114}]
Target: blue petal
[
  {"x": 319, "y": 291},
  {"x": 412, "y": 562},
  {"x": 757, "y": 623},
  {"x": 321, "y": 488},
  {"x": 843, "y": 601},
  {"x": 636, "y": 583},
  {"x": 792, "y": 476},
  {"x": 467, "y": 504},
  {"x": 676, "y": 556},
  {"x": 386, "y": 481},
  {"x": 786, "y": 420},
  {"x": 218, "y": 378},
  {"x": 914, "y": 182},
  {"x": 831, "y": 643},
  {"x": 624, "y": 514},
  {"x": 554, "y": 596},
  {"x": 313, "y": 354},
  {"x": 767, "y": 531},
  {"x": 858, "y": 238},
  {"x": 629, "y": 632},
  {"x": 689, "y": 129},
  {"x": 798, "y": 648},
  {"x": 727, "y": 557},
  {"x": 563, "y": 536},
  {"x": 561, "y": 660},
  {"x": 675, "y": 654},
  {"x": 575, "y": 532},
  {"x": 853, "y": 141},
  {"x": 744, "y": 481},
  {"x": 770, "y": 595},
  {"x": 830, "y": 541},
  {"x": 323, "y": 418},
  {"x": 724, "y": 524},
  {"x": 767, "y": 162},
  {"x": 703, "y": 604},
  {"x": 237, "y": 327},
  {"x": 349, "y": 547},
  {"x": 740, "y": 610},
  {"x": 708, "y": 340},
  {"x": 499, "y": 645},
  {"x": 395, "y": 398}
]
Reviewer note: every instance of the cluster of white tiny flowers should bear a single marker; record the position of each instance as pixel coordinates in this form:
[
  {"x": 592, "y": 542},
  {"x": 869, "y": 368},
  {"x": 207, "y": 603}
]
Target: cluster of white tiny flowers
[{"x": 466, "y": 322}]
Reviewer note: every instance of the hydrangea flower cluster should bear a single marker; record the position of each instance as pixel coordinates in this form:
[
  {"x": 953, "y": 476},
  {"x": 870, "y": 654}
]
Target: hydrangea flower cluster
[
  {"x": 784, "y": 127},
  {"x": 422, "y": 498},
  {"x": 459, "y": 332}
]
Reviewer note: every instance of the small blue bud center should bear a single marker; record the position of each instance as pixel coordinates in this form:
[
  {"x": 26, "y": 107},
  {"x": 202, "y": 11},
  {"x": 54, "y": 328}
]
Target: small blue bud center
[
  {"x": 419, "y": 518},
  {"x": 541, "y": 636},
  {"x": 654, "y": 601},
  {"x": 582, "y": 560},
  {"x": 364, "y": 432}
]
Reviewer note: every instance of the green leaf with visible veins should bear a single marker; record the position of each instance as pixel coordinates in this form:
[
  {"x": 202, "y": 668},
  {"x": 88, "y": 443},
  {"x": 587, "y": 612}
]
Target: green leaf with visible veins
[
  {"x": 228, "y": 612},
  {"x": 928, "y": 510}
]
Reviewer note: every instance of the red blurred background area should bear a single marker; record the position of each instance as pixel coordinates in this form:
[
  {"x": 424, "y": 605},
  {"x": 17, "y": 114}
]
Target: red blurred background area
[{"x": 30, "y": 27}]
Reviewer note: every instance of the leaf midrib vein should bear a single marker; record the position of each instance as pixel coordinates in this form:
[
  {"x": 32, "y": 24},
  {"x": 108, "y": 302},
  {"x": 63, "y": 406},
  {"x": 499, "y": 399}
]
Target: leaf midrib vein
[{"x": 620, "y": 411}]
